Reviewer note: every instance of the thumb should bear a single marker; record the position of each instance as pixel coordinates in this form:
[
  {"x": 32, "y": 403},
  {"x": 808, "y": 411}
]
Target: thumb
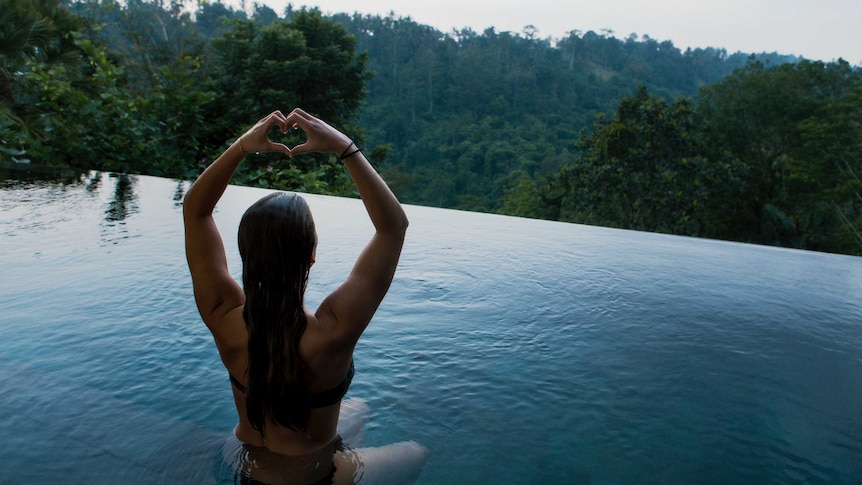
[
  {"x": 301, "y": 148},
  {"x": 279, "y": 147}
]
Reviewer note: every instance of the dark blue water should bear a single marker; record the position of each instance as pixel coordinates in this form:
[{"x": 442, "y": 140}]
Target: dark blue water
[{"x": 517, "y": 351}]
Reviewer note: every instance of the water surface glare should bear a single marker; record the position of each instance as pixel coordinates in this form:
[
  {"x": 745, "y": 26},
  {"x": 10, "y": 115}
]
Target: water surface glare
[{"x": 517, "y": 351}]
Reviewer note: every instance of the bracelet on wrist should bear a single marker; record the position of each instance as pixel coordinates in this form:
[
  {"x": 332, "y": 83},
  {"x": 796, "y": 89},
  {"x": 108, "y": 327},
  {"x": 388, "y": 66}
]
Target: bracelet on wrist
[{"x": 345, "y": 153}]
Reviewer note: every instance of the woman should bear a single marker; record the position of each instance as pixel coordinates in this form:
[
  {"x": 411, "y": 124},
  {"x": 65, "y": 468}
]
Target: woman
[{"x": 289, "y": 366}]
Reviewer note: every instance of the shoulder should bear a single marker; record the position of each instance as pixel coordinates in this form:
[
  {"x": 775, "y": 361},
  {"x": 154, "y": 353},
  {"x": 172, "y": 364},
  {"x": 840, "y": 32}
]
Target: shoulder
[
  {"x": 230, "y": 334},
  {"x": 324, "y": 341},
  {"x": 332, "y": 332}
]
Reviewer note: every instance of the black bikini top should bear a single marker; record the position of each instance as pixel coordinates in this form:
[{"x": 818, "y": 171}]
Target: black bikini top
[{"x": 319, "y": 400}]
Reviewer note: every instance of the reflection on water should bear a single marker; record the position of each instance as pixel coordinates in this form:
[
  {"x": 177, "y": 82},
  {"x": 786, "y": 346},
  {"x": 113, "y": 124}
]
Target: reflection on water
[
  {"x": 94, "y": 181},
  {"x": 517, "y": 351},
  {"x": 179, "y": 194},
  {"x": 18, "y": 175},
  {"x": 123, "y": 203},
  {"x": 123, "y": 197},
  {"x": 116, "y": 193}
]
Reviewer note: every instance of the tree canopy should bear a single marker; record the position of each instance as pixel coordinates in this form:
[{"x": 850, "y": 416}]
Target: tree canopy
[
  {"x": 589, "y": 128},
  {"x": 768, "y": 155}
]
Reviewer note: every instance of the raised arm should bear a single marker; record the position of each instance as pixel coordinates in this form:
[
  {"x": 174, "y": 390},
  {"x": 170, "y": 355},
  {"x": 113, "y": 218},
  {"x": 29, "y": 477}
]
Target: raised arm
[
  {"x": 354, "y": 302},
  {"x": 216, "y": 292}
]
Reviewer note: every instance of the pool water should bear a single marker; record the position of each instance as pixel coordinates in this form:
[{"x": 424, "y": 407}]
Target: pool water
[{"x": 515, "y": 350}]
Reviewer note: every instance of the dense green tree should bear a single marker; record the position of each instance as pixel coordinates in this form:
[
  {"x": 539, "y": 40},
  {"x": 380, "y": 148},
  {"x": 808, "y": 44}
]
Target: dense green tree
[
  {"x": 432, "y": 90},
  {"x": 143, "y": 36},
  {"x": 140, "y": 106},
  {"x": 307, "y": 62},
  {"x": 113, "y": 130},
  {"x": 72, "y": 104},
  {"x": 646, "y": 168},
  {"x": 795, "y": 130},
  {"x": 769, "y": 155},
  {"x": 76, "y": 107},
  {"x": 32, "y": 31},
  {"x": 212, "y": 19},
  {"x": 828, "y": 184}
]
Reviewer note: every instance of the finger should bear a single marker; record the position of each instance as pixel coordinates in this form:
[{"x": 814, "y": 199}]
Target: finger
[
  {"x": 276, "y": 118},
  {"x": 297, "y": 115},
  {"x": 301, "y": 148},
  {"x": 279, "y": 147},
  {"x": 300, "y": 118}
]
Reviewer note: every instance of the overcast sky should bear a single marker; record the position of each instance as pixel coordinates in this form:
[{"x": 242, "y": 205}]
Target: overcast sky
[{"x": 815, "y": 29}]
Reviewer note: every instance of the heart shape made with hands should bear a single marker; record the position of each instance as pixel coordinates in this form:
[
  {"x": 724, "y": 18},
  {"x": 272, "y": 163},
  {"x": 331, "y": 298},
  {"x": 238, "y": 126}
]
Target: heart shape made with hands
[{"x": 292, "y": 138}]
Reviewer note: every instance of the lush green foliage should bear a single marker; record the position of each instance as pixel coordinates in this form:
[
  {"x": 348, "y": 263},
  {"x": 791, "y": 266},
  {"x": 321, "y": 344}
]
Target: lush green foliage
[
  {"x": 31, "y": 33},
  {"x": 771, "y": 156},
  {"x": 166, "y": 97},
  {"x": 468, "y": 115},
  {"x": 80, "y": 109},
  {"x": 648, "y": 168},
  {"x": 308, "y": 62},
  {"x": 796, "y": 132},
  {"x": 630, "y": 133}
]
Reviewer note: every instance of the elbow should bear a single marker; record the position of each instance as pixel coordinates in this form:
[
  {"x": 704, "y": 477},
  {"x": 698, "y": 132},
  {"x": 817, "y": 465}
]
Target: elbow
[
  {"x": 191, "y": 205},
  {"x": 188, "y": 208},
  {"x": 396, "y": 225},
  {"x": 403, "y": 222}
]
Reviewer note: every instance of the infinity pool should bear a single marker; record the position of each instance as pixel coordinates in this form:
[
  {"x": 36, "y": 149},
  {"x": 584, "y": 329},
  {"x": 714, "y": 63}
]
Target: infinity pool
[{"x": 517, "y": 351}]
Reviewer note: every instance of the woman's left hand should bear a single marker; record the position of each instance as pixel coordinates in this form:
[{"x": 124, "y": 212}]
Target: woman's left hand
[{"x": 256, "y": 139}]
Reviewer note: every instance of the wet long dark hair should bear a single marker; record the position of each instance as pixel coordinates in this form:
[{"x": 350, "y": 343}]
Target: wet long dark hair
[{"x": 276, "y": 243}]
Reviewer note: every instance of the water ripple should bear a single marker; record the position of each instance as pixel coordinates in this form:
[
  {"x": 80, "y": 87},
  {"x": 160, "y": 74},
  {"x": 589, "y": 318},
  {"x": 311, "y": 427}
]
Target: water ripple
[{"x": 518, "y": 351}]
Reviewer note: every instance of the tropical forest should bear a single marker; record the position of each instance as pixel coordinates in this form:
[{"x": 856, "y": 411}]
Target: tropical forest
[{"x": 600, "y": 128}]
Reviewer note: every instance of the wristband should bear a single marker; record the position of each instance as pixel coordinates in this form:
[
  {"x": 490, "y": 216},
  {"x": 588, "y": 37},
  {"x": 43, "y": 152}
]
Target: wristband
[{"x": 344, "y": 154}]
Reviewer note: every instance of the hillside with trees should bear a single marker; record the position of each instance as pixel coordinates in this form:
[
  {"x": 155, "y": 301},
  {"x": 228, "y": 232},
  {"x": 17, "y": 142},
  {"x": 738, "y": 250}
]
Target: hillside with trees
[
  {"x": 589, "y": 128},
  {"x": 465, "y": 115},
  {"x": 768, "y": 155}
]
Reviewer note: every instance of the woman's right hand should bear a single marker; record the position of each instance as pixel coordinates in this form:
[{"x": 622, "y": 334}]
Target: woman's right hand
[{"x": 320, "y": 137}]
